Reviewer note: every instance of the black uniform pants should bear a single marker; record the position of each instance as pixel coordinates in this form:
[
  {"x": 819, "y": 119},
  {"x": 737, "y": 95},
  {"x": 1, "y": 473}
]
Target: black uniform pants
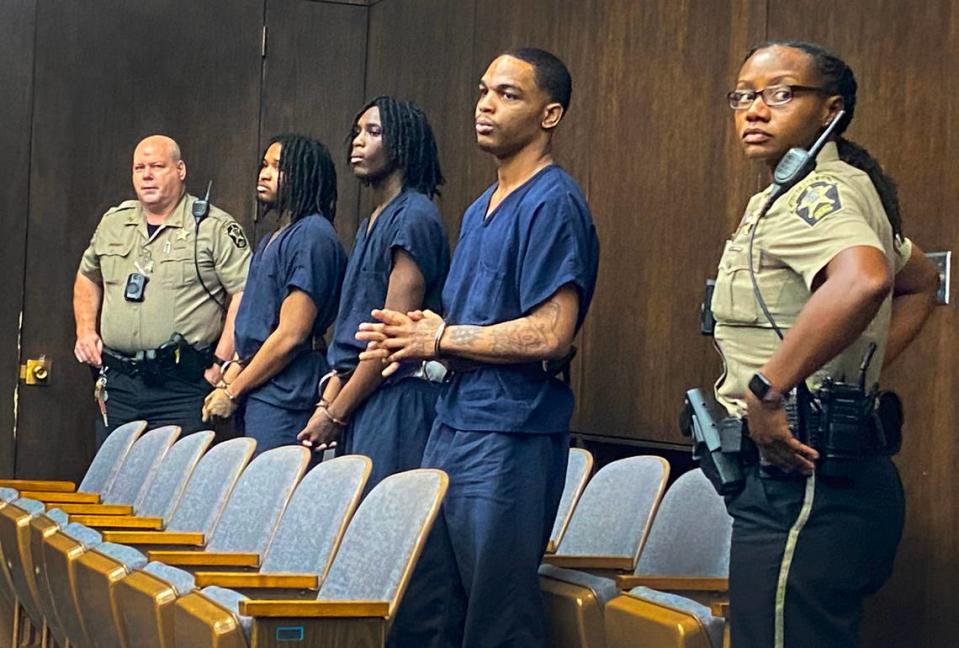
[
  {"x": 171, "y": 401},
  {"x": 807, "y": 552}
]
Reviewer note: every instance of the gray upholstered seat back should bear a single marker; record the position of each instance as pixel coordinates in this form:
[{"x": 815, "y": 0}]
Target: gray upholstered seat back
[
  {"x": 316, "y": 517},
  {"x": 140, "y": 466},
  {"x": 691, "y": 533},
  {"x": 172, "y": 476},
  {"x": 108, "y": 460},
  {"x": 258, "y": 501},
  {"x": 615, "y": 511},
  {"x": 577, "y": 472},
  {"x": 210, "y": 485},
  {"x": 384, "y": 538}
]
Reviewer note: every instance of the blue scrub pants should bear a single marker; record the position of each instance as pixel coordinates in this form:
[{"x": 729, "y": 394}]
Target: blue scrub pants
[
  {"x": 392, "y": 426},
  {"x": 273, "y": 426},
  {"x": 477, "y": 584}
]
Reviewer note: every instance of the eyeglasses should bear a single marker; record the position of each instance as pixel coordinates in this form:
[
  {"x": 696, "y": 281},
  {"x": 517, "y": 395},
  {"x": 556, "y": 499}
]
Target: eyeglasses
[{"x": 777, "y": 95}]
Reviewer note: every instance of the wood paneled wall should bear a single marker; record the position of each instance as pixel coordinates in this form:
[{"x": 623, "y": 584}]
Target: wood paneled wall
[{"x": 650, "y": 139}]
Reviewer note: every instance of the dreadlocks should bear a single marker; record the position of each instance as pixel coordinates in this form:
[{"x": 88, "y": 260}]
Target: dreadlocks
[
  {"x": 409, "y": 143},
  {"x": 307, "y": 183},
  {"x": 837, "y": 78}
]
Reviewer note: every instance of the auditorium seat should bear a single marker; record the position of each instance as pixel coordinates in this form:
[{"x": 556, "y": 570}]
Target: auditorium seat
[
  {"x": 60, "y": 551},
  {"x": 244, "y": 530},
  {"x": 138, "y": 468},
  {"x": 681, "y": 574},
  {"x": 605, "y": 535},
  {"x": 357, "y": 600},
  {"x": 305, "y": 540},
  {"x": 156, "y": 502},
  {"x": 200, "y": 508},
  {"x": 577, "y": 473},
  {"x": 99, "y": 476}
]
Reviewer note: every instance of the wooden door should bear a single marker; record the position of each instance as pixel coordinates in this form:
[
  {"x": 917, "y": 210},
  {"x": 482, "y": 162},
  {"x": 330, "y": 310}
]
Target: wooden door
[
  {"x": 16, "y": 78},
  {"x": 108, "y": 73}
]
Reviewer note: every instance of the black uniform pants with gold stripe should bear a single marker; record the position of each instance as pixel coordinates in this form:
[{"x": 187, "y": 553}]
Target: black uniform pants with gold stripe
[
  {"x": 806, "y": 552},
  {"x": 169, "y": 401}
]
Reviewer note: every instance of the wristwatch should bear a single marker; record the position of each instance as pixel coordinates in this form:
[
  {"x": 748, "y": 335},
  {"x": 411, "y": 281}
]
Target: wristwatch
[{"x": 762, "y": 389}]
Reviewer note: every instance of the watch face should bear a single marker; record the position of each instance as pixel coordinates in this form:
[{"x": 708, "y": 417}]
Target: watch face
[{"x": 759, "y": 386}]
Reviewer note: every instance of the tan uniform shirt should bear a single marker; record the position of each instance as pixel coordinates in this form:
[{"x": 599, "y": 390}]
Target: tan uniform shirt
[
  {"x": 174, "y": 300},
  {"x": 835, "y": 208}
]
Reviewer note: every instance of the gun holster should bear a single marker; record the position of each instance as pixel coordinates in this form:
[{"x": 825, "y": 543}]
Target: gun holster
[{"x": 719, "y": 445}]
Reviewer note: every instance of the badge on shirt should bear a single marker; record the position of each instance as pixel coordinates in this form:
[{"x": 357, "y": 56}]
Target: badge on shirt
[
  {"x": 235, "y": 232},
  {"x": 818, "y": 200}
]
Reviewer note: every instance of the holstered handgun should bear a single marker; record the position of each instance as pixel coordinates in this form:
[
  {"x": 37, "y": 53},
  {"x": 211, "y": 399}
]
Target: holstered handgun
[{"x": 718, "y": 441}]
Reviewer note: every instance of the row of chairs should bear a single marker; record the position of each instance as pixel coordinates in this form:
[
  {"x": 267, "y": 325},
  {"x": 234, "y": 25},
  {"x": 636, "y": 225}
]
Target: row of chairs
[
  {"x": 635, "y": 568},
  {"x": 197, "y": 518},
  {"x": 208, "y": 548}
]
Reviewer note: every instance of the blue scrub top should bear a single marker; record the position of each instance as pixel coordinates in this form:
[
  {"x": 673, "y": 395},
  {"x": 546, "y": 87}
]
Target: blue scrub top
[
  {"x": 412, "y": 223},
  {"x": 306, "y": 256},
  {"x": 540, "y": 238}
]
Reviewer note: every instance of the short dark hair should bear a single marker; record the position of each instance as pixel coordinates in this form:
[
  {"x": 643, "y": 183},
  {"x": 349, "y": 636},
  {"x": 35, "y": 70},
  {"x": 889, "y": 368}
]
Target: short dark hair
[
  {"x": 308, "y": 177},
  {"x": 551, "y": 74},
  {"x": 409, "y": 143}
]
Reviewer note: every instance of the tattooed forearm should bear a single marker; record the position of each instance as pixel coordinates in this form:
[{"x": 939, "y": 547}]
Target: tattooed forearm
[{"x": 543, "y": 334}]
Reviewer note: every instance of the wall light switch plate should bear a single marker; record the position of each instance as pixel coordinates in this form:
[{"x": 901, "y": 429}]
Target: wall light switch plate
[{"x": 943, "y": 261}]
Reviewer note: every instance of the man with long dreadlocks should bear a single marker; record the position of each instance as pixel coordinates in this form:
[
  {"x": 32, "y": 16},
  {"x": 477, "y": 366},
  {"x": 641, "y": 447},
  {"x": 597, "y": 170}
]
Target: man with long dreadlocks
[
  {"x": 400, "y": 259},
  {"x": 291, "y": 295}
]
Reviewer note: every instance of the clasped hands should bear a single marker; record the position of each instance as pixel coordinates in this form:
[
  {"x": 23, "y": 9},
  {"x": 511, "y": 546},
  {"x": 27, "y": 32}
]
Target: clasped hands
[
  {"x": 218, "y": 404},
  {"x": 397, "y": 337}
]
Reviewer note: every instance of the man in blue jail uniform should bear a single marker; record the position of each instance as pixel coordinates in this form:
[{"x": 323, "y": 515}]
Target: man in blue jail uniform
[
  {"x": 291, "y": 296},
  {"x": 519, "y": 287},
  {"x": 400, "y": 258}
]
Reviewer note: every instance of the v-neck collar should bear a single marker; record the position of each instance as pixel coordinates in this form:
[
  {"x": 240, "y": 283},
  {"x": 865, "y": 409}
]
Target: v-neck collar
[{"x": 488, "y": 215}]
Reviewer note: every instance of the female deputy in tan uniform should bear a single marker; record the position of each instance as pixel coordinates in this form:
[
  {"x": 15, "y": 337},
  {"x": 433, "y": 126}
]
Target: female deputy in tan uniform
[{"x": 841, "y": 282}]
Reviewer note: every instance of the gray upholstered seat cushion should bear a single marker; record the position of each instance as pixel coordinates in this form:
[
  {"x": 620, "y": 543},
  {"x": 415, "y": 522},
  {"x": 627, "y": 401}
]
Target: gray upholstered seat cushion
[
  {"x": 691, "y": 534},
  {"x": 613, "y": 515},
  {"x": 126, "y": 556},
  {"x": 603, "y": 588},
  {"x": 58, "y": 516},
  {"x": 8, "y": 494},
  {"x": 210, "y": 485},
  {"x": 139, "y": 467},
  {"x": 258, "y": 501},
  {"x": 83, "y": 534},
  {"x": 713, "y": 625},
  {"x": 166, "y": 488},
  {"x": 577, "y": 471},
  {"x": 108, "y": 460},
  {"x": 30, "y": 506},
  {"x": 180, "y": 580},
  {"x": 230, "y": 599},
  {"x": 314, "y": 520},
  {"x": 377, "y": 550}
]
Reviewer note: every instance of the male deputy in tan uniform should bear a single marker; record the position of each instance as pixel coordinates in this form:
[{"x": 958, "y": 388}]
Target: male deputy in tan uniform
[{"x": 165, "y": 324}]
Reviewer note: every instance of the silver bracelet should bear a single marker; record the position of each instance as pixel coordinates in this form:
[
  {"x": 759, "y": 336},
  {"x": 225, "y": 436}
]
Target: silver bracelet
[{"x": 437, "y": 338}]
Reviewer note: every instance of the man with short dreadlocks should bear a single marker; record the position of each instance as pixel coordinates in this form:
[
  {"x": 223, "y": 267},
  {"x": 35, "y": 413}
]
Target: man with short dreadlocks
[
  {"x": 291, "y": 296},
  {"x": 400, "y": 259}
]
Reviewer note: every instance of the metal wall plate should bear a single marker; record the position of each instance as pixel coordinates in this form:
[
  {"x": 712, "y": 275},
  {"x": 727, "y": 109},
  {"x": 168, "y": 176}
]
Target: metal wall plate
[{"x": 943, "y": 261}]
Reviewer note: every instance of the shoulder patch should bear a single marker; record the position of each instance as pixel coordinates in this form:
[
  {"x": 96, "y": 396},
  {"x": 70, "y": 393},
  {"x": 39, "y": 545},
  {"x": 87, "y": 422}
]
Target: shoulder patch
[
  {"x": 817, "y": 200},
  {"x": 235, "y": 232}
]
